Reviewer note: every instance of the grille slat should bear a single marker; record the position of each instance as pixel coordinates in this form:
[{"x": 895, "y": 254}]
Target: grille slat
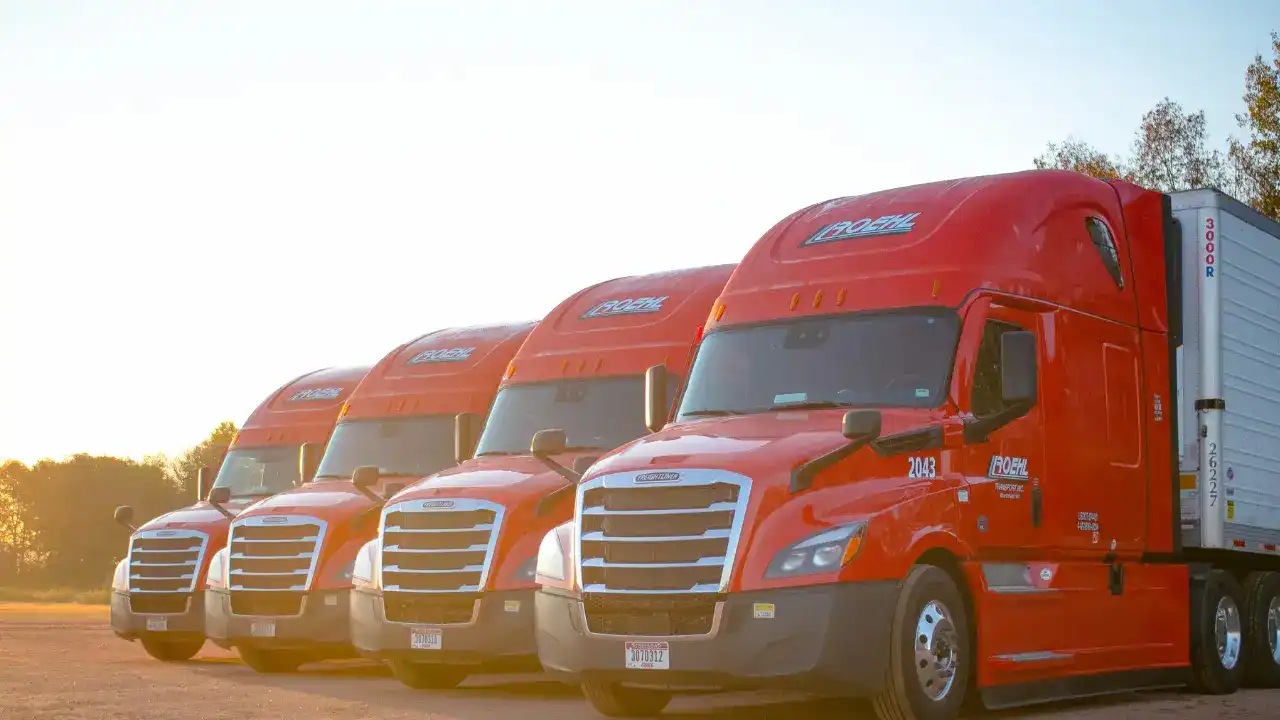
[
  {"x": 653, "y": 557},
  {"x": 272, "y": 563},
  {"x": 166, "y": 561},
  {"x": 436, "y": 547}
]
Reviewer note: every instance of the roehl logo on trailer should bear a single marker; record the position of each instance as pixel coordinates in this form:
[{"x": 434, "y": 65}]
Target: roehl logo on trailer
[
  {"x": 331, "y": 393},
  {"x": 863, "y": 228}
]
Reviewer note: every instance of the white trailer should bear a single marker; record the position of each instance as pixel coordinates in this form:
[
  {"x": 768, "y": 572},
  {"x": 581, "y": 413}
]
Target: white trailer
[{"x": 1228, "y": 374}]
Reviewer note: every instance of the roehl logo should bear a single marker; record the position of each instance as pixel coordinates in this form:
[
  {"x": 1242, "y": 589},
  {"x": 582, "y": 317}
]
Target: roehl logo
[
  {"x": 1008, "y": 468},
  {"x": 626, "y": 306},
  {"x": 657, "y": 477},
  {"x": 865, "y": 227},
  {"x": 330, "y": 393},
  {"x": 442, "y": 355},
  {"x": 430, "y": 504}
]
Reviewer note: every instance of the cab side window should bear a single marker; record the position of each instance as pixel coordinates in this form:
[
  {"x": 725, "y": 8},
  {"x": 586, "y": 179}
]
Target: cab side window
[
  {"x": 1105, "y": 244},
  {"x": 987, "y": 391}
]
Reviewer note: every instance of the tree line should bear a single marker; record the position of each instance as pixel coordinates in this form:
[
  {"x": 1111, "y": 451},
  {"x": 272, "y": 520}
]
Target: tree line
[
  {"x": 56, "y": 526},
  {"x": 1170, "y": 150}
]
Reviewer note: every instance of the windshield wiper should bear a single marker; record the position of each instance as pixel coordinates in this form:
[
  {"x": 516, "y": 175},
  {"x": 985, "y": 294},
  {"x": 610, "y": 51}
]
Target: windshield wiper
[
  {"x": 710, "y": 412},
  {"x": 807, "y": 405},
  {"x": 335, "y": 477},
  {"x": 498, "y": 453}
]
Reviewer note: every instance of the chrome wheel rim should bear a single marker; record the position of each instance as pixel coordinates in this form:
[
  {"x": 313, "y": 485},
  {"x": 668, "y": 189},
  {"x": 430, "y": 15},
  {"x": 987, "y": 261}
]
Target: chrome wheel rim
[
  {"x": 1226, "y": 632},
  {"x": 1273, "y": 629},
  {"x": 937, "y": 650}
]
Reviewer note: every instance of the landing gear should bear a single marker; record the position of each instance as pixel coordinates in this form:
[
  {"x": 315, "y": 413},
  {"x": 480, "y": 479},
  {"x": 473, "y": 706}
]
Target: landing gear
[
  {"x": 929, "y": 657},
  {"x": 1217, "y": 633}
]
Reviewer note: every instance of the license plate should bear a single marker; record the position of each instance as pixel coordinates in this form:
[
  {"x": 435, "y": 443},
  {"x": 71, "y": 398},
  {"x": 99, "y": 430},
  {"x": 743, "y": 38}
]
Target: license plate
[
  {"x": 427, "y": 639},
  {"x": 648, "y": 655},
  {"x": 263, "y": 628},
  {"x": 157, "y": 624}
]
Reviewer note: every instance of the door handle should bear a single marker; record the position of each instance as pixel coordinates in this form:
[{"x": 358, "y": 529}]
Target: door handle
[{"x": 1037, "y": 506}]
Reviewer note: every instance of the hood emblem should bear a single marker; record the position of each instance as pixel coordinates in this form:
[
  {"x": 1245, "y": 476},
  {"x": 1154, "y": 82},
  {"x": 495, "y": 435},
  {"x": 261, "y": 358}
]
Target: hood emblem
[
  {"x": 437, "y": 504},
  {"x": 166, "y": 533},
  {"x": 657, "y": 477},
  {"x": 274, "y": 520}
]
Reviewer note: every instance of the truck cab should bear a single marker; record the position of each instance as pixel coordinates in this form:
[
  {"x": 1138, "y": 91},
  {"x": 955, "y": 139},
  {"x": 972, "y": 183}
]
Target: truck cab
[
  {"x": 925, "y": 451},
  {"x": 279, "y": 593},
  {"x": 157, "y": 587},
  {"x": 446, "y": 589}
]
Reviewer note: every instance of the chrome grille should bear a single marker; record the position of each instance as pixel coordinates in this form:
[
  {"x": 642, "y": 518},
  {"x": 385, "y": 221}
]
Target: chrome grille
[
  {"x": 166, "y": 561},
  {"x": 660, "y": 533},
  {"x": 273, "y": 553},
  {"x": 441, "y": 545}
]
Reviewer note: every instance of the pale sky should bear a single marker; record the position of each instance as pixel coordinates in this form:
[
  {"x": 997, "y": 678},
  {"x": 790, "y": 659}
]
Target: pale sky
[{"x": 202, "y": 200}]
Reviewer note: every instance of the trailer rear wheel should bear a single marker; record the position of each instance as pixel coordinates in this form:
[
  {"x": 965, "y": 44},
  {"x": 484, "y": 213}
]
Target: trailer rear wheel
[
  {"x": 1262, "y": 630},
  {"x": 613, "y": 699},
  {"x": 929, "y": 656},
  {"x": 425, "y": 676},
  {"x": 271, "y": 662},
  {"x": 1217, "y": 642},
  {"x": 172, "y": 650}
]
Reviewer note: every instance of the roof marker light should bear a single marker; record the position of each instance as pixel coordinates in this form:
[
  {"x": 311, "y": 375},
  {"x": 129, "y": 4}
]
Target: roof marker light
[
  {"x": 840, "y": 297},
  {"x": 795, "y": 300},
  {"x": 719, "y": 314},
  {"x": 817, "y": 299},
  {"x": 937, "y": 285}
]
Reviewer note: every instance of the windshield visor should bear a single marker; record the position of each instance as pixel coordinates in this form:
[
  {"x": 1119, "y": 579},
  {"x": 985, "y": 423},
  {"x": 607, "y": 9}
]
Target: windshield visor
[
  {"x": 857, "y": 360},
  {"x": 408, "y": 446},
  {"x": 259, "y": 471},
  {"x": 598, "y": 414}
]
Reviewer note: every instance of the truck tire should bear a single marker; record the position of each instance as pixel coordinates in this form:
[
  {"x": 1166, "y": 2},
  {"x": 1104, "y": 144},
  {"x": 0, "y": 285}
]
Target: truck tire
[
  {"x": 929, "y": 654},
  {"x": 426, "y": 676},
  {"x": 172, "y": 650},
  {"x": 1262, "y": 630},
  {"x": 271, "y": 662},
  {"x": 613, "y": 699},
  {"x": 1217, "y": 626}
]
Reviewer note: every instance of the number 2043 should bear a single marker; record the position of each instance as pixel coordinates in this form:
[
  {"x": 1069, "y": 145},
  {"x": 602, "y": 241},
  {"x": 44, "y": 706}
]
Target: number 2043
[{"x": 923, "y": 467}]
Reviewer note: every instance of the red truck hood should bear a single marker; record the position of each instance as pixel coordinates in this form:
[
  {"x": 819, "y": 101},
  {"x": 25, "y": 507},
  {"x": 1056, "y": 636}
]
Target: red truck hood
[
  {"x": 201, "y": 516},
  {"x": 504, "y": 479},
  {"x": 328, "y": 500}
]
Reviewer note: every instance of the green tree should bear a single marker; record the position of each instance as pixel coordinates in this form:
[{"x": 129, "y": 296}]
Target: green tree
[
  {"x": 208, "y": 453},
  {"x": 1080, "y": 156},
  {"x": 1169, "y": 152},
  {"x": 1257, "y": 159}
]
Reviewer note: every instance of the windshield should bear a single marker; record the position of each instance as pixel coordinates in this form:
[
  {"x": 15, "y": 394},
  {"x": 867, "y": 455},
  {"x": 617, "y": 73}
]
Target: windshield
[
  {"x": 407, "y": 446},
  {"x": 880, "y": 360},
  {"x": 259, "y": 470},
  {"x": 595, "y": 414}
]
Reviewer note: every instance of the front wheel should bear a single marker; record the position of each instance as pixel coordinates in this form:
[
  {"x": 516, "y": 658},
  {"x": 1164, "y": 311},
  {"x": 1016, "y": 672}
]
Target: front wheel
[
  {"x": 172, "y": 650},
  {"x": 271, "y": 662},
  {"x": 613, "y": 699},
  {"x": 424, "y": 676},
  {"x": 929, "y": 656}
]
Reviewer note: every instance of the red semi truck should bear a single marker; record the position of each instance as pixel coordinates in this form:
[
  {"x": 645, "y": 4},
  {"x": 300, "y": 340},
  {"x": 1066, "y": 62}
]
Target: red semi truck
[
  {"x": 1001, "y": 440},
  {"x": 446, "y": 589},
  {"x": 156, "y": 594},
  {"x": 279, "y": 592}
]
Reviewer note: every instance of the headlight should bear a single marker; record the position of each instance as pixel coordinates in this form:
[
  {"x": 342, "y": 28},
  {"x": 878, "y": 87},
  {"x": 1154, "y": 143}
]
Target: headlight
[
  {"x": 550, "y": 562},
  {"x": 120, "y": 581},
  {"x": 218, "y": 570},
  {"x": 364, "y": 573},
  {"x": 828, "y": 551}
]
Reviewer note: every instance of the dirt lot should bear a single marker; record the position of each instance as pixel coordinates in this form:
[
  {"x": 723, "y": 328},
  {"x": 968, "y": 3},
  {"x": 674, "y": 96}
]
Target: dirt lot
[{"x": 63, "y": 662}]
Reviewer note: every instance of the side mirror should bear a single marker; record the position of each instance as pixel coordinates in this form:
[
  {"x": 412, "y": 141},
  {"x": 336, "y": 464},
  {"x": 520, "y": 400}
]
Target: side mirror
[
  {"x": 309, "y": 460},
  {"x": 1019, "y": 376},
  {"x": 547, "y": 443},
  {"x": 861, "y": 425},
  {"x": 391, "y": 489},
  {"x": 466, "y": 433},
  {"x": 581, "y": 463},
  {"x": 204, "y": 483},
  {"x": 124, "y": 516},
  {"x": 656, "y": 409},
  {"x": 365, "y": 476},
  {"x": 218, "y": 497}
]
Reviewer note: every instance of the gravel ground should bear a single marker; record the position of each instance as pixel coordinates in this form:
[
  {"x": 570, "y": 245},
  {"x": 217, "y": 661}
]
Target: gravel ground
[{"x": 61, "y": 661}]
